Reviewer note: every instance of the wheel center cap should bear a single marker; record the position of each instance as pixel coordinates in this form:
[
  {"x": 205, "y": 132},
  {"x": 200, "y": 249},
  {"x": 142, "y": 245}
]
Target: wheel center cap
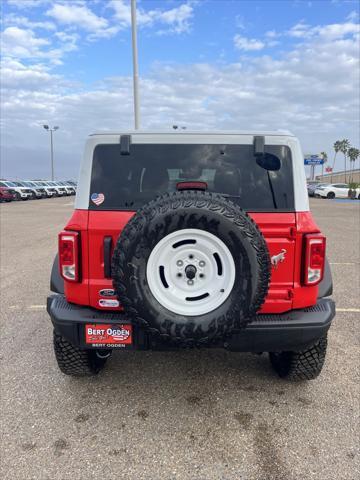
[{"x": 190, "y": 271}]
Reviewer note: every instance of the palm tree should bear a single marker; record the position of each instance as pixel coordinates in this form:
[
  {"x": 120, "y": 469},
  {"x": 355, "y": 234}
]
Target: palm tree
[
  {"x": 353, "y": 154},
  {"x": 337, "y": 146},
  {"x": 344, "y": 147},
  {"x": 324, "y": 157}
]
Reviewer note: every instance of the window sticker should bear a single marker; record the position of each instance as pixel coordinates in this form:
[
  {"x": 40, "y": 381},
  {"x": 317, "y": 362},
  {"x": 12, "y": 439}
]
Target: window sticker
[{"x": 97, "y": 198}]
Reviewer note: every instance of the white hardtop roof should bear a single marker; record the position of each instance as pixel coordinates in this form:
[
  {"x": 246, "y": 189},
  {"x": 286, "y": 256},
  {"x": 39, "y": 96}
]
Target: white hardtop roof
[{"x": 277, "y": 133}]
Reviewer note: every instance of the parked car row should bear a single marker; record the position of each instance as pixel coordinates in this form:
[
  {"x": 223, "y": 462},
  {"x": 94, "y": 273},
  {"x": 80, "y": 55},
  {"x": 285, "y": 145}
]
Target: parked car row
[
  {"x": 35, "y": 189},
  {"x": 333, "y": 190}
]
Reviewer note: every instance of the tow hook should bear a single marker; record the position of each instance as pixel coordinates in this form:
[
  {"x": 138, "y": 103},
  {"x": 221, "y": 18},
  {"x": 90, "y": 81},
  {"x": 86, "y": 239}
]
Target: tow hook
[{"x": 103, "y": 353}]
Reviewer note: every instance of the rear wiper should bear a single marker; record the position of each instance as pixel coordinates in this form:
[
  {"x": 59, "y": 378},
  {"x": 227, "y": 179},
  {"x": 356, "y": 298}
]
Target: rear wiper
[{"x": 271, "y": 189}]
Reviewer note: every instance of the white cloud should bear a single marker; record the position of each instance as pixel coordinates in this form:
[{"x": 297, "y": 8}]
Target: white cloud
[
  {"x": 20, "y": 43},
  {"x": 247, "y": 44},
  {"x": 300, "y": 30},
  {"x": 353, "y": 16},
  {"x": 26, "y": 4},
  {"x": 330, "y": 32},
  {"x": 16, "y": 75},
  {"x": 176, "y": 19},
  {"x": 272, "y": 34},
  {"x": 122, "y": 12},
  {"x": 69, "y": 40},
  {"x": 79, "y": 15},
  {"x": 18, "y": 21},
  {"x": 337, "y": 30}
]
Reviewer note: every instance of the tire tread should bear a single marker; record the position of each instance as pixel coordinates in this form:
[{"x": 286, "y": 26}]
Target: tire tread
[
  {"x": 73, "y": 361},
  {"x": 303, "y": 365}
]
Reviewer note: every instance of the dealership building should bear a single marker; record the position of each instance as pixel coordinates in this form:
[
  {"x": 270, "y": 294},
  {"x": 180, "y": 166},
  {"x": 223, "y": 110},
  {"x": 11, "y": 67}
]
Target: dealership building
[{"x": 339, "y": 177}]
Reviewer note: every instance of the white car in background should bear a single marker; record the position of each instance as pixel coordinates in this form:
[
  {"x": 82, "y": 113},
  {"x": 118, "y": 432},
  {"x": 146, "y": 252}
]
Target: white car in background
[
  {"x": 50, "y": 191},
  {"x": 335, "y": 190},
  {"x": 60, "y": 189},
  {"x": 69, "y": 188}
]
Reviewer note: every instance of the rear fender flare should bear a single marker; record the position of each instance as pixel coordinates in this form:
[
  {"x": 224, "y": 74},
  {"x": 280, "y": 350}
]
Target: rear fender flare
[
  {"x": 326, "y": 284},
  {"x": 56, "y": 280}
]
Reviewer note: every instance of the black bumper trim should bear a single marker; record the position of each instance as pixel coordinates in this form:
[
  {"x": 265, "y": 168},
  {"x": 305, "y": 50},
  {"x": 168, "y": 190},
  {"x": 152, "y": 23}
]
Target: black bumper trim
[{"x": 293, "y": 330}]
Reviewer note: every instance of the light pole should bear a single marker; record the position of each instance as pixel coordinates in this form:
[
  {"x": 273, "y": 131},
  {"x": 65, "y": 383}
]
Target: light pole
[
  {"x": 51, "y": 130},
  {"x": 135, "y": 65}
]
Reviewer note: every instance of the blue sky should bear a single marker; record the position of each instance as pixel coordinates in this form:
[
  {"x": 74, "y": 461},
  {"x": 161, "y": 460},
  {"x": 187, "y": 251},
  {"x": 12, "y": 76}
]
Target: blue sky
[{"x": 203, "y": 63}]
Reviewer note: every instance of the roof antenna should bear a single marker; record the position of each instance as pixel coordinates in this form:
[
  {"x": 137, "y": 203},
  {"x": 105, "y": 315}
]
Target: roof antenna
[{"x": 135, "y": 65}]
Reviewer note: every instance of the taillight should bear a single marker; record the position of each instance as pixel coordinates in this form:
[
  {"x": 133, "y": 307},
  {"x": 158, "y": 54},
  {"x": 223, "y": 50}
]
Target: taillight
[
  {"x": 69, "y": 255},
  {"x": 314, "y": 248}
]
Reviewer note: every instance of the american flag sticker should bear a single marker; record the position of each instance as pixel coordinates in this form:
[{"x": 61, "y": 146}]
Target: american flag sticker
[{"x": 97, "y": 198}]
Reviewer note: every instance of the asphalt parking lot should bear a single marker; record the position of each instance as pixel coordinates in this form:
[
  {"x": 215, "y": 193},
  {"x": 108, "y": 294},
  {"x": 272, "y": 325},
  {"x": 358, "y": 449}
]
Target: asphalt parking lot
[{"x": 184, "y": 415}]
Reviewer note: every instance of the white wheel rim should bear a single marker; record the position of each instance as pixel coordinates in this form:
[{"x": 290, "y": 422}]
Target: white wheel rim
[{"x": 181, "y": 255}]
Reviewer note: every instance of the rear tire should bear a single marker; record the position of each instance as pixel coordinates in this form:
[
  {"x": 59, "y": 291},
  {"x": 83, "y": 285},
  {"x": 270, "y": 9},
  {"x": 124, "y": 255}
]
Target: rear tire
[
  {"x": 330, "y": 195},
  {"x": 304, "y": 365},
  {"x": 76, "y": 362}
]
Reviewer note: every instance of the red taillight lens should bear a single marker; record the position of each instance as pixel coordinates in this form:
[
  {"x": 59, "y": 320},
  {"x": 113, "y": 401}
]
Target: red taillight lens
[
  {"x": 315, "y": 246},
  {"x": 69, "y": 255}
]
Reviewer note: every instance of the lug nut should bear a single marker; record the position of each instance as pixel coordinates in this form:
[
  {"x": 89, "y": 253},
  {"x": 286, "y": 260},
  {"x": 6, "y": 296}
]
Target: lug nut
[
  {"x": 190, "y": 282},
  {"x": 201, "y": 263},
  {"x": 179, "y": 263}
]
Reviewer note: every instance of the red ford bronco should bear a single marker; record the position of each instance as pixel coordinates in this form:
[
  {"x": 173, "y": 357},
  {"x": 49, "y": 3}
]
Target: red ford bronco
[{"x": 183, "y": 240}]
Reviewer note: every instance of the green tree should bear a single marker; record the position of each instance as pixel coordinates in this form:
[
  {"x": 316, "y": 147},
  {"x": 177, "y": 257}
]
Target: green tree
[
  {"x": 325, "y": 158},
  {"x": 353, "y": 154},
  {"x": 344, "y": 147},
  {"x": 337, "y": 146}
]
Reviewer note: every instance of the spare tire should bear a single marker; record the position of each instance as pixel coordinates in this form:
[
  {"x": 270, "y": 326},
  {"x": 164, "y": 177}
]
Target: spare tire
[{"x": 191, "y": 267}]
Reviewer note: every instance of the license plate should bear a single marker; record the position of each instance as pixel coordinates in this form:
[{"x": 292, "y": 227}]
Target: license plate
[{"x": 105, "y": 336}]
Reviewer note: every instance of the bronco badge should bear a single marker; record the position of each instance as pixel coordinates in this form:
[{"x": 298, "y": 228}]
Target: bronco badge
[{"x": 279, "y": 258}]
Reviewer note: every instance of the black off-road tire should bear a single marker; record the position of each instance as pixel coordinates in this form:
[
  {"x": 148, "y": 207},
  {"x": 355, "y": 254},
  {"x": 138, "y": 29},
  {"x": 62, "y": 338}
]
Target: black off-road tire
[
  {"x": 200, "y": 210},
  {"x": 304, "y": 365},
  {"x": 75, "y": 362}
]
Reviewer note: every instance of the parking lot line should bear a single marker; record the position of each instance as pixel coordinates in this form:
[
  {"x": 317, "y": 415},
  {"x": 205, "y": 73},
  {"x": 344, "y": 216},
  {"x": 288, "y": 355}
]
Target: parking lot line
[
  {"x": 344, "y": 263},
  {"x": 352, "y": 310}
]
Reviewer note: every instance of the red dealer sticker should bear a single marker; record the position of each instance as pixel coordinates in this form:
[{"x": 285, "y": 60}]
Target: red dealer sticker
[{"x": 100, "y": 335}]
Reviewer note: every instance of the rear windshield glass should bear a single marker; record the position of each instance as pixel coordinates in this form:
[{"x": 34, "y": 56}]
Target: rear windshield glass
[{"x": 126, "y": 182}]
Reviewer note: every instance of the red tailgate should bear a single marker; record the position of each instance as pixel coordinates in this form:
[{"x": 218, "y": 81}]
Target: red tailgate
[
  {"x": 279, "y": 230},
  {"x": 102, "y": 224}
]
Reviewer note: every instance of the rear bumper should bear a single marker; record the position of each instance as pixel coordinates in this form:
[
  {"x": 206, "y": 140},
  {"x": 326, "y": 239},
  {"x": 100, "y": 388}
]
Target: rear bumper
[{"x": 293, "y": 330}]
